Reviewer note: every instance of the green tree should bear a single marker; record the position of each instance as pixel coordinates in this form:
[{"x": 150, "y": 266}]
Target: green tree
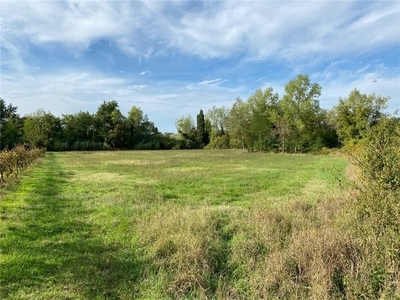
[
  {"x": 328, "y": 133},
  {"x": 239, "y": 122},
  {"x": 356, "y": 113},
  {"x": 283, "y": 127},
  {"x": 135, "y": 121},
  {"x": 6, "y": 111},
  {"x": 116, "y": 135},
  {"x": 251, "y": 123},
  {"x": 143, "y": 134},
  {"x": 300, "y": 115},
  {"x": 78, "y": 131},
  {"x": 218, "y": 118},
  {"x": 10, "y": 126},
  {"x": 109, "y": 124},
  {"x": 263, "y": 107},
  {"x": 187, "y": 132},
  {"x": 203, "y": 136},
  {"x": 42, "y": 130}
]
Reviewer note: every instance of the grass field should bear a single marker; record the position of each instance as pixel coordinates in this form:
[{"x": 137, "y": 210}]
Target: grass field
[{"x": 166, "y": 225}]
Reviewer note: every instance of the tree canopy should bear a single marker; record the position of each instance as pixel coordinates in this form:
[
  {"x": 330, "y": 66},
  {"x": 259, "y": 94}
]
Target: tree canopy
[{"x": 265, "y": 121}]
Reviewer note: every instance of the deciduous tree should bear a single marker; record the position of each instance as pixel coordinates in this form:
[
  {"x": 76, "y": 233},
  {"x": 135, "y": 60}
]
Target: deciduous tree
[
  {"x": 356, "y": 113},
  {"x": 10, "y": 126},
  {"x": 300, "y": 114},
  {"x": 217, "y": 118},
  {"x": 108, "y": 123},
  {"x": 42, "y": 129},
  {"x": 239, "y": 122},
  {"x": 187, "y": 132}
]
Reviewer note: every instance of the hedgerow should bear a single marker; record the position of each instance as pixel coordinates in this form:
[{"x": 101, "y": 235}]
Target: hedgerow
[{"x": 13, "y": 161}]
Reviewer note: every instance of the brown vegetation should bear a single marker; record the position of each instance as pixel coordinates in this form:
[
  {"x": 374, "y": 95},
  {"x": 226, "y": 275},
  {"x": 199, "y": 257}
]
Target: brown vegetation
[{"x": 12, "y": 162}]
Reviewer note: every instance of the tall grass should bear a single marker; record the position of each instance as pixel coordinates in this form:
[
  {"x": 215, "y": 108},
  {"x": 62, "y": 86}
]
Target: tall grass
[
  {"x": 297, "y": 251},
  {"x": 188, "y": 225}
]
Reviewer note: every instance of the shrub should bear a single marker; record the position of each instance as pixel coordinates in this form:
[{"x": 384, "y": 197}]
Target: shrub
[
  {"x": 377, "y": 208},
  {"x": 12, "y": 162}
]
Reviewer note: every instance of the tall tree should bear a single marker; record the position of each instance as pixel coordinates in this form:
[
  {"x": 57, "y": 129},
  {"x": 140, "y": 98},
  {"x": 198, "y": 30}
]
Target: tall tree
[
  {"x": 187, "y": 132},
  {"x": 42, "y": 130},
  {"x": 78, "y": 130},
  {"x": 6, "y": 111},
  {"x": 217, "y": 118},
  {"x": 109, "y": 123},
  {"x": 135, "y": 121},
  {"x": 203, "y": 137},
  {"x": 356, "y": 113},
  {"x": 117, "y": 134},
  {"x": 300, "y": 114},
  {"x": 239, "y": 122},
  {"x": 143, "y": 134},
  {"x": 262, "y": 106},
  {"x": 10, "y": 126}
]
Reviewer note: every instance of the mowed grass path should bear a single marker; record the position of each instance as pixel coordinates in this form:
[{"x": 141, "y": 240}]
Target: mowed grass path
[{"x": 75, "y": 226}]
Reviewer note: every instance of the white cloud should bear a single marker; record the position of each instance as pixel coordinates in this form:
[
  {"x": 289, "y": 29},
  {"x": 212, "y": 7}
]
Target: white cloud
[
  {"x": 367, "y": 83},
  {"x": 211, "y": 84},
  {"x": 296, "y": 34},
  {"x": 216, "y": 81},
  {"x": 69, "y": 91},
  {"x": 63, "y": 92},
  {"x": 257, "y": 29},
  {"x": 137, "y": 87},
  {"x": 287, "y": 30},
  {"x": 341, "y": 77}
]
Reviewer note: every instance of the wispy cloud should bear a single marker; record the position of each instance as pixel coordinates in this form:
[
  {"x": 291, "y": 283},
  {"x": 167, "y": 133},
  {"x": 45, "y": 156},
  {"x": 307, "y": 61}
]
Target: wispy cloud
[
  {"x": 68, "y": 55},
  {"x": 212, "y": 82},
  {"x": 144, "y": 73},
  {"x": 257, "y": 30},
  {"x": 137, "y": 87},
  {"x": 378, "y": 79},
  {"x": 68, "y": 91}
]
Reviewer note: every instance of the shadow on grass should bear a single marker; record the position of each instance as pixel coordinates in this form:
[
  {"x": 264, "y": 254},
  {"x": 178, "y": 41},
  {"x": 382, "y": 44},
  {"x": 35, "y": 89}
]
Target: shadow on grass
[{"x": 50, "y": 251}]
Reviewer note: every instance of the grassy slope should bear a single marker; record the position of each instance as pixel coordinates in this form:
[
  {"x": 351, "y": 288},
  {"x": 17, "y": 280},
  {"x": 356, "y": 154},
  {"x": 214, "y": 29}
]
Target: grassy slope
[{"x": 124, "y": 225}]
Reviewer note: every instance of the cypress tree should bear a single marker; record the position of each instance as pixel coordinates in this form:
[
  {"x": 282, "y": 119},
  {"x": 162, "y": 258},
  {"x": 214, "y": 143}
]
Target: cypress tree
[{"x": 202, "y": 134}]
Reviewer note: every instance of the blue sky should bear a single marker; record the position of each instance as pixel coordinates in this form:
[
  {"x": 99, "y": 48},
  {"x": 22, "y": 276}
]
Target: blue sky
[{"x": 173, "y": 58}]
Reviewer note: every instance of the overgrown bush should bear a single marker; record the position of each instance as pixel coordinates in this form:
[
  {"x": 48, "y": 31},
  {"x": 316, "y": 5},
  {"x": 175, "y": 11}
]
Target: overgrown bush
[
  {"x": 377, "y": 208},
  {"x": 12, "y": 162}
]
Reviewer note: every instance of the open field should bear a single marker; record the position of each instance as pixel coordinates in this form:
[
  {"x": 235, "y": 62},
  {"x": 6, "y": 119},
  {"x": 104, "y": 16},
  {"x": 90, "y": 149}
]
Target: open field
[{"x": 172, "y": 224}]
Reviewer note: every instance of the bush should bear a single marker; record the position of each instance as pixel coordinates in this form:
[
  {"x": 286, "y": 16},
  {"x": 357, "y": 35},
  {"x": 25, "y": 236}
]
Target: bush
[
  {"x": 378, "y": 182},
  {"x": 377, "y": 208},
  {"x": 15, "y": 160}
]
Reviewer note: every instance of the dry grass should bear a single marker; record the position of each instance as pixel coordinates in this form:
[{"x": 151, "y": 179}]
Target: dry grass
[
  {"x": 188, "y": 247},
  {"x": 294, "y": 252},
  {"x": 221, "y": 225}
]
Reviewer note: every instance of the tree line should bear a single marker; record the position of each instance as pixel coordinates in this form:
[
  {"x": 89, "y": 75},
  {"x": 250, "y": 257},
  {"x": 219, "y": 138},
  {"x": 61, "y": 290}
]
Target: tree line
[
  {"x": 292, "y": 123},
  {"x": 108, "y": 128}
]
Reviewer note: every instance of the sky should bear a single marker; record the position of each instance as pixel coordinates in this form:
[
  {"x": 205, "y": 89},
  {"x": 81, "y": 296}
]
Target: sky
[{"x": 173, "y": 58}]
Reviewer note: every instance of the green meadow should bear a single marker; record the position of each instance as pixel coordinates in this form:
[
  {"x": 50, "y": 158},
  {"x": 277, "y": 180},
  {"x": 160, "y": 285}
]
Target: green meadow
[{"x": 194, "y": 224}]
